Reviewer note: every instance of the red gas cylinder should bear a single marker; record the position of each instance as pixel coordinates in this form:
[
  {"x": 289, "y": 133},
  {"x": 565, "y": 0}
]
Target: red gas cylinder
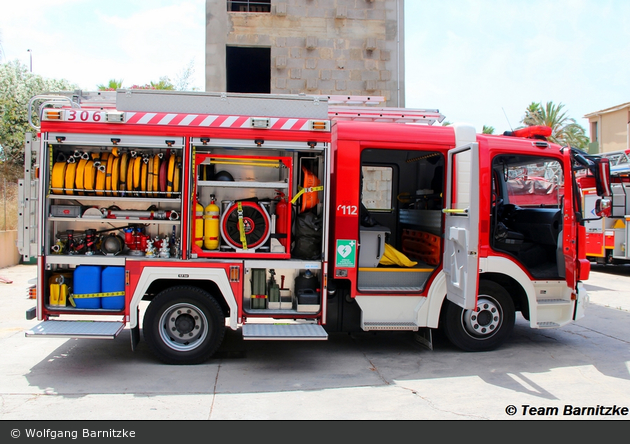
[{"x": 282, "y": 218}]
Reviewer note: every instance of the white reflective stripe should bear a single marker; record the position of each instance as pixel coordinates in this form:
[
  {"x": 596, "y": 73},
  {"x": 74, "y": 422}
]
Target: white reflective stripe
[
  {"x": 306, "y": 126},
  {"x": 147, "y": 117},
  {"x": 189, "y": 118},
  {"x": 273, "y": 121},
  {"x": 289, "y": 123},
  {"x": 247, "y": 123},
  {"x": 167, "y": 119},
  {"x": 229, "y": 121},
  {"x": 129, "y": 115},
  {"x": 208, "y": 120}
]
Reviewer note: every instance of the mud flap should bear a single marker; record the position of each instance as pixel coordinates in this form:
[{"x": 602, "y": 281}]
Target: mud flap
[
  {"x": 424, "y": 336},
  {"x": 135, "y": 334},
  {"x": 581, "y": 303}
]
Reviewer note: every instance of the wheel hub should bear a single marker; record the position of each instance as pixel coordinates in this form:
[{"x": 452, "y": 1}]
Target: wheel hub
[
  {"x": 185, "y": 323},
  {"x": 485, "y": 320},
  {"x": 183, "y": 327}
]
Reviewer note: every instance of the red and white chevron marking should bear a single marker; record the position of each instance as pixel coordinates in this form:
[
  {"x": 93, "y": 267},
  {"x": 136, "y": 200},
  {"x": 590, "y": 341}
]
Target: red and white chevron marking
[{"x": 212, "y": 121}]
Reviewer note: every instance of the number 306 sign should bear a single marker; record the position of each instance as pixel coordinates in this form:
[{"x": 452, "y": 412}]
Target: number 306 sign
[{"x": 84, "y": 116}]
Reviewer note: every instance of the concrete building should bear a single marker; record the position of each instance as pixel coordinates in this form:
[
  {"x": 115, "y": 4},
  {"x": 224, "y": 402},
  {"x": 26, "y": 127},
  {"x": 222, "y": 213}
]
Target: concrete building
[
  {"x": 324, "y": 47},
  {"x": 610, "y": 129}
]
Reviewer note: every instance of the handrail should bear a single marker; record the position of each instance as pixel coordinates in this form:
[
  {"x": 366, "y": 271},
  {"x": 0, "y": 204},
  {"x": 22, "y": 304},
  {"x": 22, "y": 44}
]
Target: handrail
[{"x": 50, "y": 100}]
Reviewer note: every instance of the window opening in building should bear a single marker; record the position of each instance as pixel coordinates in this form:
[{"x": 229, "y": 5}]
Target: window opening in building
[
  {"x": 248, "y": 69},
  {"x": 249, "y": 6},
  {"x": 594, "y": 137}
]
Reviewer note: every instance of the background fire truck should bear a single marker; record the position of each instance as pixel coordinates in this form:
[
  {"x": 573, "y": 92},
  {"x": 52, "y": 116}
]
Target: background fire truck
[
  {"x": 607, "y": 235},
  {"x": 289, "y": 218}
]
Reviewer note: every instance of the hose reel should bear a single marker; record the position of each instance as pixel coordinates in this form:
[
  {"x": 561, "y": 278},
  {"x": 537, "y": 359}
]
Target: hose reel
[{"x": 245, "y": 225}]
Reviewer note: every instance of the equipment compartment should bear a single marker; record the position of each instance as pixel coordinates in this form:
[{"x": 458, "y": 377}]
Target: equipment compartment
[
  {"x": 116, "y": 172},
  {"x": 108, "y": 197},
  {"x": 237, "y": 202},
  {"x": 282, "y": 288}
]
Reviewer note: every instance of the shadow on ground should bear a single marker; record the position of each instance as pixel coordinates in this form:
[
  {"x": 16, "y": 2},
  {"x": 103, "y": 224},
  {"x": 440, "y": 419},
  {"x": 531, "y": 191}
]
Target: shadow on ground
[{"x": 80, "y": 367}]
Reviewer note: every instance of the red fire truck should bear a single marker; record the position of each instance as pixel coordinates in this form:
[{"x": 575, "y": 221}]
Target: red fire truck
[
  {"x": 607, "y": 236},
  {"x": 289, "y": 218}
]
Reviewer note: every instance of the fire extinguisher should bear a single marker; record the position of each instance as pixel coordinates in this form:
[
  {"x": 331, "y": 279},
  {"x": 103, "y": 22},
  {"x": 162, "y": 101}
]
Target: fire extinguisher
[
  {"x": 211, "y": 225},
  {"x": 282, "y": 215},
  {"x": 199, "y": 225}
]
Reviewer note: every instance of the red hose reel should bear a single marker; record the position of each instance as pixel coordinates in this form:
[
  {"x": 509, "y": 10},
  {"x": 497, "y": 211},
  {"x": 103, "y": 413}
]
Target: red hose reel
[{"x": 256, "y": 225}]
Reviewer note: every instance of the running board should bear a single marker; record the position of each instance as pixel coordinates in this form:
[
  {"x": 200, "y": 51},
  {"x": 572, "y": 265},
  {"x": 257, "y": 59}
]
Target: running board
[
  {"x": 373, "y": 325},
  {"x": 284, "y": 332},
  {"x": 548, "y": 325},
  {"x": 77, "y": 329}
]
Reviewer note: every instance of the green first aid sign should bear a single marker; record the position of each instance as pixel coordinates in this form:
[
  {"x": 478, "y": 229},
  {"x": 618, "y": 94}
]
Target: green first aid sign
[{"x": 346, "y": 253}]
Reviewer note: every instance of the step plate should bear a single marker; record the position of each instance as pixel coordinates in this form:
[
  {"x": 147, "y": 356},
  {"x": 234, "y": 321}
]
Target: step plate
[
  {"x": 77, "y": 329},
  {"x": 294, "y": 332}
]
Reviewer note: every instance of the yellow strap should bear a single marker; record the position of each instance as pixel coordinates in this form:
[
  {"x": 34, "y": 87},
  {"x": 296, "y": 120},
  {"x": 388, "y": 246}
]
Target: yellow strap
[
  {"x": 72, "y": 297},
  {"x": 241, "y": 226},
  {"x": 98, "y": 295},
  {"x": 50, "y": 168},
  {"x": 259, "y": 164},
  {"x": 306, "y": 190}
]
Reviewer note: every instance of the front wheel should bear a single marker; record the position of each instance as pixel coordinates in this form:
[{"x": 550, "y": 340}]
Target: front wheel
[
  {"x": 183, "y": 325},
  {"x": 487, "y": 326}
]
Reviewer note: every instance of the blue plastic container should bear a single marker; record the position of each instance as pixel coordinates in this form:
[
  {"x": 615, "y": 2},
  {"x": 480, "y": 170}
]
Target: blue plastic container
[
  {"x": 113, "y": 281},
  {"x": 87, "y": 280}
]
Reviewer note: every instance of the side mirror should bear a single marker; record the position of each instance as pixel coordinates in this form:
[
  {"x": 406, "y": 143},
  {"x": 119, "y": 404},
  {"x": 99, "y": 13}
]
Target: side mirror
[
  {"x": 599, "y": 167},
  {"x": 602, "y": 176},
  {"x": 603, "y": 208}
]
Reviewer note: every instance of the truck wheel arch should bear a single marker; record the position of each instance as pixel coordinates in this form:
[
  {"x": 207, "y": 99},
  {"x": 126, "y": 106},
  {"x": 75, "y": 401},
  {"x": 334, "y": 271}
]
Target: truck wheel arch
[
  {"x": 496, "y": 269},
  {"x": 215, "y": 278}
]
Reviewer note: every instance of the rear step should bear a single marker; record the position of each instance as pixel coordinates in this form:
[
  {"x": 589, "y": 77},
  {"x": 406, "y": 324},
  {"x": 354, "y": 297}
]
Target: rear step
[
  {"x": 301, "y": 332},
  {"x": 77, "y": 329}
]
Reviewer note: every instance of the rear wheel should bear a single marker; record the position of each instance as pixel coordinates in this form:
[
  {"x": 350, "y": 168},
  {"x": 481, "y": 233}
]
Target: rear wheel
[
  {"x": 487, "y": 326},
  {"x": 183, "y": 325}
]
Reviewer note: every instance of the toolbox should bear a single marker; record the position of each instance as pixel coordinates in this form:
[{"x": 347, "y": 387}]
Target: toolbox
[{"x": 65, "y": 210}]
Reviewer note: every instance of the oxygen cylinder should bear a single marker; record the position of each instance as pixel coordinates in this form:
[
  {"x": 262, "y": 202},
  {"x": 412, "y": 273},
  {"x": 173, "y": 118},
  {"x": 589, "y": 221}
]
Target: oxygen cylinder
[
  {"x": 211, "y": 225},
  {"x": 199, "y": 225},
  {"x": 282, "y": 213}
]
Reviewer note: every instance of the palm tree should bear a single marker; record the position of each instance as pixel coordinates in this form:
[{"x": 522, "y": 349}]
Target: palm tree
[
  {"x": 487, "y": 130},
  {"x": 565, "y": 130},
  {"x": 532, "y": 114},
  {"x": 113, "y": 85}
]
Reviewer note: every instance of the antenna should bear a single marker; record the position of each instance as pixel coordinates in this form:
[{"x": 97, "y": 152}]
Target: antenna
[{"x": 508, "y": 120}]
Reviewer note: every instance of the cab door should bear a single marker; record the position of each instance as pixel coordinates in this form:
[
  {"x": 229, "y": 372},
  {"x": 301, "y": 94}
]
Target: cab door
[
  {"x": 569, "y": 225},
  {"x": 461, "y": 226}
]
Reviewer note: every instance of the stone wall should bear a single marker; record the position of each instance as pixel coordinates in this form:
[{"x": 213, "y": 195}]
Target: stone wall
[
  {"x": 9, "y": 254},
  {"x": 341, "y": 47}
]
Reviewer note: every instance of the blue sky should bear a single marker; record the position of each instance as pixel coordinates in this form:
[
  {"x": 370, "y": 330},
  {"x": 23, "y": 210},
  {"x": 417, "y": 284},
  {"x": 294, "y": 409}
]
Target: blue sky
[{"x": 477, "y": 61}]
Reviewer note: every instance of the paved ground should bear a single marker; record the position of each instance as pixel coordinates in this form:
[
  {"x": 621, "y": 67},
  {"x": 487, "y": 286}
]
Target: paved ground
[{"x": 387, "y": 376}]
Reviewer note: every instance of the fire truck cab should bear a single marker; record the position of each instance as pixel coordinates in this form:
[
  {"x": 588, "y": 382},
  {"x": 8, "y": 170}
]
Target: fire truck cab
[{"x": 290, "y": 218}]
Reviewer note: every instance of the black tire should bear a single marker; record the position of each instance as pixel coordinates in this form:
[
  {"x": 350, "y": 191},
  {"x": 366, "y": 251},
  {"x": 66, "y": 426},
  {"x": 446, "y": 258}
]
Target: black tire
[
  {"x": 487, "y": 327},
  {"x": 183, "y": 325}
]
